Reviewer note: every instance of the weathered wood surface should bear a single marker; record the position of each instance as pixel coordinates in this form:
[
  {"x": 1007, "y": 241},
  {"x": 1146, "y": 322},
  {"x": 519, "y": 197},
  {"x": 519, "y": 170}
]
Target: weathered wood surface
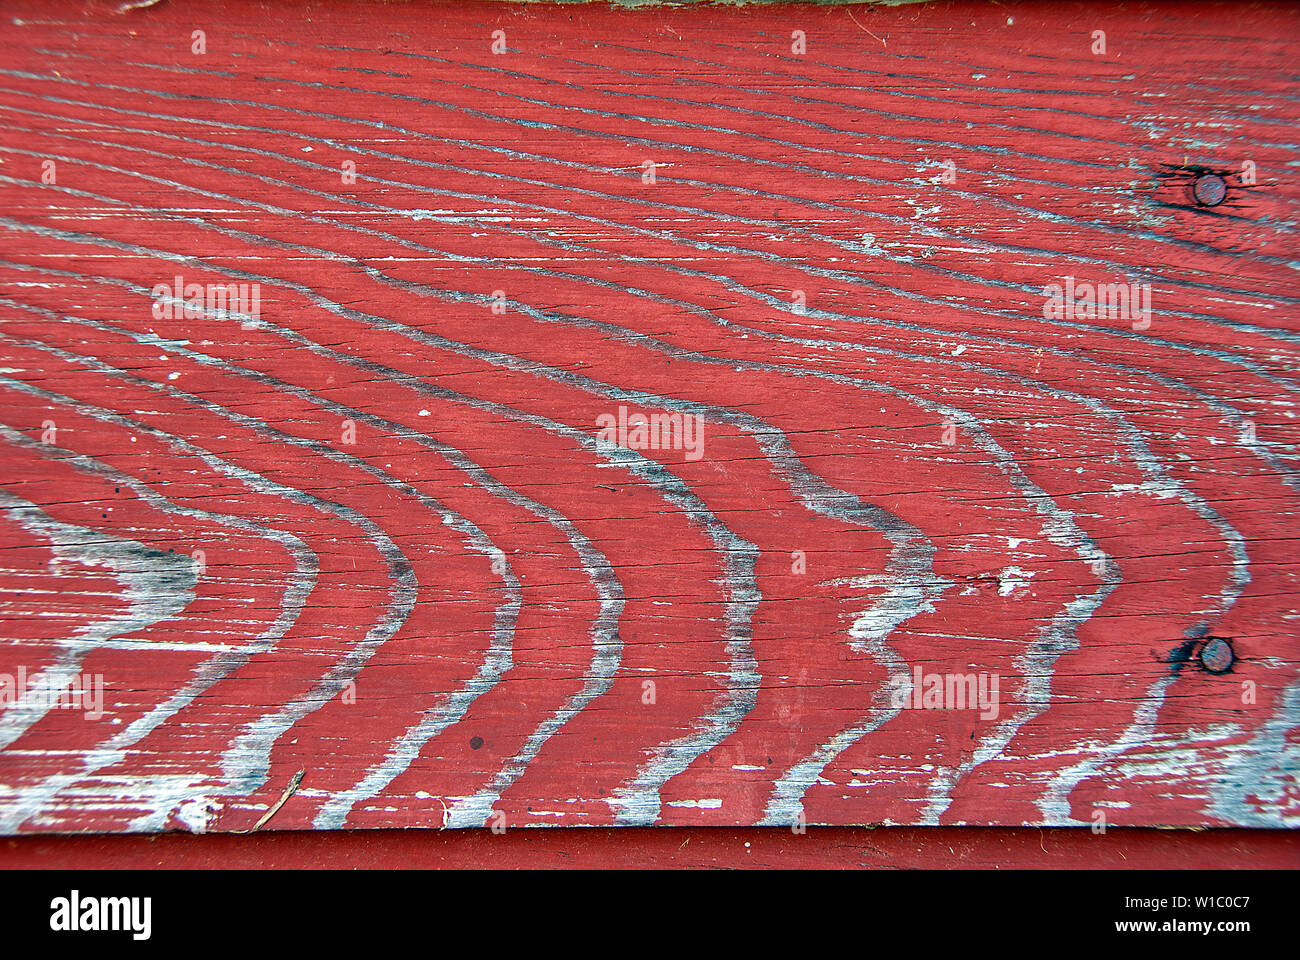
[{"x": 369, "y": 529}]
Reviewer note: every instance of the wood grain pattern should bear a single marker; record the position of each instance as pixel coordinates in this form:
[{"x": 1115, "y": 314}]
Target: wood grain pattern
[{"x": 367, "y": 522}]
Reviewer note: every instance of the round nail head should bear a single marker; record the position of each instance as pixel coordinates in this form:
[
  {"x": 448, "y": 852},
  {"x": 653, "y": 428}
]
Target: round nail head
[
  {"x": 1209, "y": 190},
  {"x": 1216, "y": 655}
]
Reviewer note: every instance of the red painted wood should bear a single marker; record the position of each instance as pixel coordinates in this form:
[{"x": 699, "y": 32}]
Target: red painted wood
[
  {"x": 823, "y": 848},
  {"x": 425, "y": 585}
]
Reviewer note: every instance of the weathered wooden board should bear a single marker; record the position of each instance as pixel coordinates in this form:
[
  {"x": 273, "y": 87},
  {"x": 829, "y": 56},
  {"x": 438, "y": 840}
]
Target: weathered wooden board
[{"x": 931, "y": 537}]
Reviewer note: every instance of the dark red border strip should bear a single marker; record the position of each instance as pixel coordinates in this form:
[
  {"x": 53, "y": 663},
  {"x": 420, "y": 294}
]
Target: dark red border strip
[{"x": 583, "y": 848}]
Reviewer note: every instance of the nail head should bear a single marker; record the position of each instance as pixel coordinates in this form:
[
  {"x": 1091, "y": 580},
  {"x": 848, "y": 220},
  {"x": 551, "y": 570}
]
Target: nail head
[
  {"x": 1216, "y": 655},
  {"x": 1209, "y": 189}
]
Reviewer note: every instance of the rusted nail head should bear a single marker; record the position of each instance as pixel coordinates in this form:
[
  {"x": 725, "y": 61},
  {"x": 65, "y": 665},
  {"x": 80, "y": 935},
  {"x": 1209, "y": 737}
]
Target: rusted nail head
[
  {"x": 1209, "y": 189},
  {"x": 1216, "y": 655}
]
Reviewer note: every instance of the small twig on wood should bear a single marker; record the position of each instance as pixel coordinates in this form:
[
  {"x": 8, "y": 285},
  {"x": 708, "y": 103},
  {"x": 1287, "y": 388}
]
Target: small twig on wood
[
  {"x": 864, "y": 29},
  {"x": 288, "y": 792}
]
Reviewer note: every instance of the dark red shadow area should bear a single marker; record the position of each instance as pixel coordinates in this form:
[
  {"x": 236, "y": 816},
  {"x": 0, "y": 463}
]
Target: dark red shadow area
[{"x": 943, "y": 848}]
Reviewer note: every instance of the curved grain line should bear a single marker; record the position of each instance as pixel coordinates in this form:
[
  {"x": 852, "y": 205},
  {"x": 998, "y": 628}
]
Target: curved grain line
[
  {"x": 157, "y": 586},
  {"x": 246, "y": 761},
  {"x": 1160, "y": 480},
  {"x": 29, "y": 801},
  {"x": 497, "y": 659}
]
